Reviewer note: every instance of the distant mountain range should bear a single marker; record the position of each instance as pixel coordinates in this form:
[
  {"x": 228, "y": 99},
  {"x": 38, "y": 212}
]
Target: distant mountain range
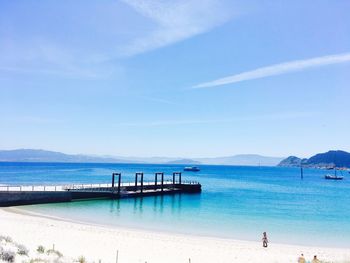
[
  {"x": 321, "y": 160},
  {"x": 243, "y": 159},
  {"x": 32, "y": 155},
  {"x": 183, "y": 161}
]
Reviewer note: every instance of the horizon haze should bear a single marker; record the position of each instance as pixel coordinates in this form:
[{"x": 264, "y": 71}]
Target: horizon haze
[{"x": 39, "y": 155}]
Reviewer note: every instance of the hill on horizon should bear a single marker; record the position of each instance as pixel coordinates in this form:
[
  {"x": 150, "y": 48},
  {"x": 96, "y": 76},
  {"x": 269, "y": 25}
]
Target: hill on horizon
[
  {"x": 33, "y": 155},
  {"x": 243, "y": 159},
  {"x": 183, "y": 161},
  {"x": 333, "y": 158}
]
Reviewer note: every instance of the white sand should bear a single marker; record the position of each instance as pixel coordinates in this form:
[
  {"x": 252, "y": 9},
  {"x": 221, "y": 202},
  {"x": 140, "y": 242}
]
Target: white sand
[{"x": 101, "y": 243}]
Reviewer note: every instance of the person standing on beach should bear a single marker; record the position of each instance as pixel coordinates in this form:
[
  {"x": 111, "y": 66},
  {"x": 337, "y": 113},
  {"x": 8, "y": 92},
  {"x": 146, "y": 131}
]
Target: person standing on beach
[
  {"x": 315, "y": 260},
  {"x": 264, "y": 239},
  {"x": 301, "y": 259}
]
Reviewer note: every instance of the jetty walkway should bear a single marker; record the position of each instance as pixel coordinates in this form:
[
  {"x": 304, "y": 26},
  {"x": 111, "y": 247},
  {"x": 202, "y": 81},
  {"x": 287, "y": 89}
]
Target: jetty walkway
[{"x": 12, "y": 195}]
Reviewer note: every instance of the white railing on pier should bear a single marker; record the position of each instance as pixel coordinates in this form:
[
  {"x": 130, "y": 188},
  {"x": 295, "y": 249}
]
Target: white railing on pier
[
  {"x": 30, "y": 188},
  {"x": 54, "y": 188}
]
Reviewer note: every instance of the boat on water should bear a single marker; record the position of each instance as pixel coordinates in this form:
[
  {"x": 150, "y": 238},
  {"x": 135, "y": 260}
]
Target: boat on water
[
  {"x": 333, "y": 176},
  {"x": 192, "y": 169}
]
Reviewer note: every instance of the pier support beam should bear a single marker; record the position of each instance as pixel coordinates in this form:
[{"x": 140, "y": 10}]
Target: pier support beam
[
  {"x": 141, "y": 182},
  {"x": 141, "y": 177},
  {"x": 119, "y": 182},
  {"x": 113, "y": 174},
  {"x": 174, "y": 177},
  {"x": 162, "y": 181},
  {"x": 156, "y": 179}
]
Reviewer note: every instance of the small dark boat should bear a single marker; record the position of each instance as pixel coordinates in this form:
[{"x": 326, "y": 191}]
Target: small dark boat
[
  {"x": 192, "y": 169},
  {"x": 333, "y": 177}
]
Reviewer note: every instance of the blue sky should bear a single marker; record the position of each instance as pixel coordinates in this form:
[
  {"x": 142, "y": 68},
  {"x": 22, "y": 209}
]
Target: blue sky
[{"x": 175, "y": 78}]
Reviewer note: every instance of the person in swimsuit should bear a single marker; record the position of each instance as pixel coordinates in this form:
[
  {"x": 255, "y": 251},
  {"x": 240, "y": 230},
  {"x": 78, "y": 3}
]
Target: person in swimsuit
[{"x": 264, "y": 239}]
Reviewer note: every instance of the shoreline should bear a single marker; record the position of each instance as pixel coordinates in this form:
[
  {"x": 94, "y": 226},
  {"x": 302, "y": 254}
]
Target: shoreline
[
  {"x": 98, "y": 242},
  {"x": 145, "y": 230}
]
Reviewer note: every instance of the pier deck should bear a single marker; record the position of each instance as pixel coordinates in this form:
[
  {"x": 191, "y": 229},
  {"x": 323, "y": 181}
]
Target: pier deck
[{"x": 25, "y": 195}]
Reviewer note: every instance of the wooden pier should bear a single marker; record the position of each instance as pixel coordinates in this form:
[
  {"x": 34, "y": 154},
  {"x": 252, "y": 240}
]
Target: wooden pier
[{"x": 23, "y": 195}]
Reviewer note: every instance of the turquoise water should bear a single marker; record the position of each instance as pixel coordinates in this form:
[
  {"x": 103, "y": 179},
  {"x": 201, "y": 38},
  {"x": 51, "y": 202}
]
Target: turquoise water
[{"x": 237, "y": 202}]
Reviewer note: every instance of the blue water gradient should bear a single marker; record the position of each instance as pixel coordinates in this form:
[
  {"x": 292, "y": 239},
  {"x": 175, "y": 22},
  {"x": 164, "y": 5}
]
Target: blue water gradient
[{"x": 237, "y": 202}]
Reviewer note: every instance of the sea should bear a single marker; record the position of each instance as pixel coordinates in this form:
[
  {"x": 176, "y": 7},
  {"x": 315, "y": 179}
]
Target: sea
[{"x": 236, "y": 202}]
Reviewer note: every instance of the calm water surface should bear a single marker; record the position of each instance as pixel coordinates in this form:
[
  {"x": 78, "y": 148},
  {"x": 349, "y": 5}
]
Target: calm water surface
[{"x": 236, "y": 202}]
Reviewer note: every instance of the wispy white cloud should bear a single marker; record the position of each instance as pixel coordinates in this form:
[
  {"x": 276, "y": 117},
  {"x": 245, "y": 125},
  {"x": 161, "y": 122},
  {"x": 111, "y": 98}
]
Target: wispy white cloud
[
  {"x": 121, "y": 28},
  {"x": 175, "y": 20},
  {"x": 278, "y": 69},
  {"x": 265, "y": 117}
]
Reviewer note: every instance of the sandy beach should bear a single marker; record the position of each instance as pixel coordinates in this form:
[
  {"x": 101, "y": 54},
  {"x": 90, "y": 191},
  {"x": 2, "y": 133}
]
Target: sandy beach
[{"x": 97, "y": 243}]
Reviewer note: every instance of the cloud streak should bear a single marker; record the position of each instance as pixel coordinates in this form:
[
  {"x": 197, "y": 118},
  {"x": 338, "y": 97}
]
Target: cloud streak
[
  {"x": 278, "y": 69},
  {"x": 175, "y": 21},
  {"x": 52, "y": 39}
]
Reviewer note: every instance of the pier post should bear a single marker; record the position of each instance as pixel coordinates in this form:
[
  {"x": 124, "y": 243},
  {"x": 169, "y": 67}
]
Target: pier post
[
  {"x": 119, "y": 181},
  {"x": 162, "y": 181},
  {"x": 174, "y": 177},
  {"x": 136, "y": 181},
  {"x": 156, "y": 180},
  {"x": 141, "y": 182},
  {"x": 113, "y": 174}
]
